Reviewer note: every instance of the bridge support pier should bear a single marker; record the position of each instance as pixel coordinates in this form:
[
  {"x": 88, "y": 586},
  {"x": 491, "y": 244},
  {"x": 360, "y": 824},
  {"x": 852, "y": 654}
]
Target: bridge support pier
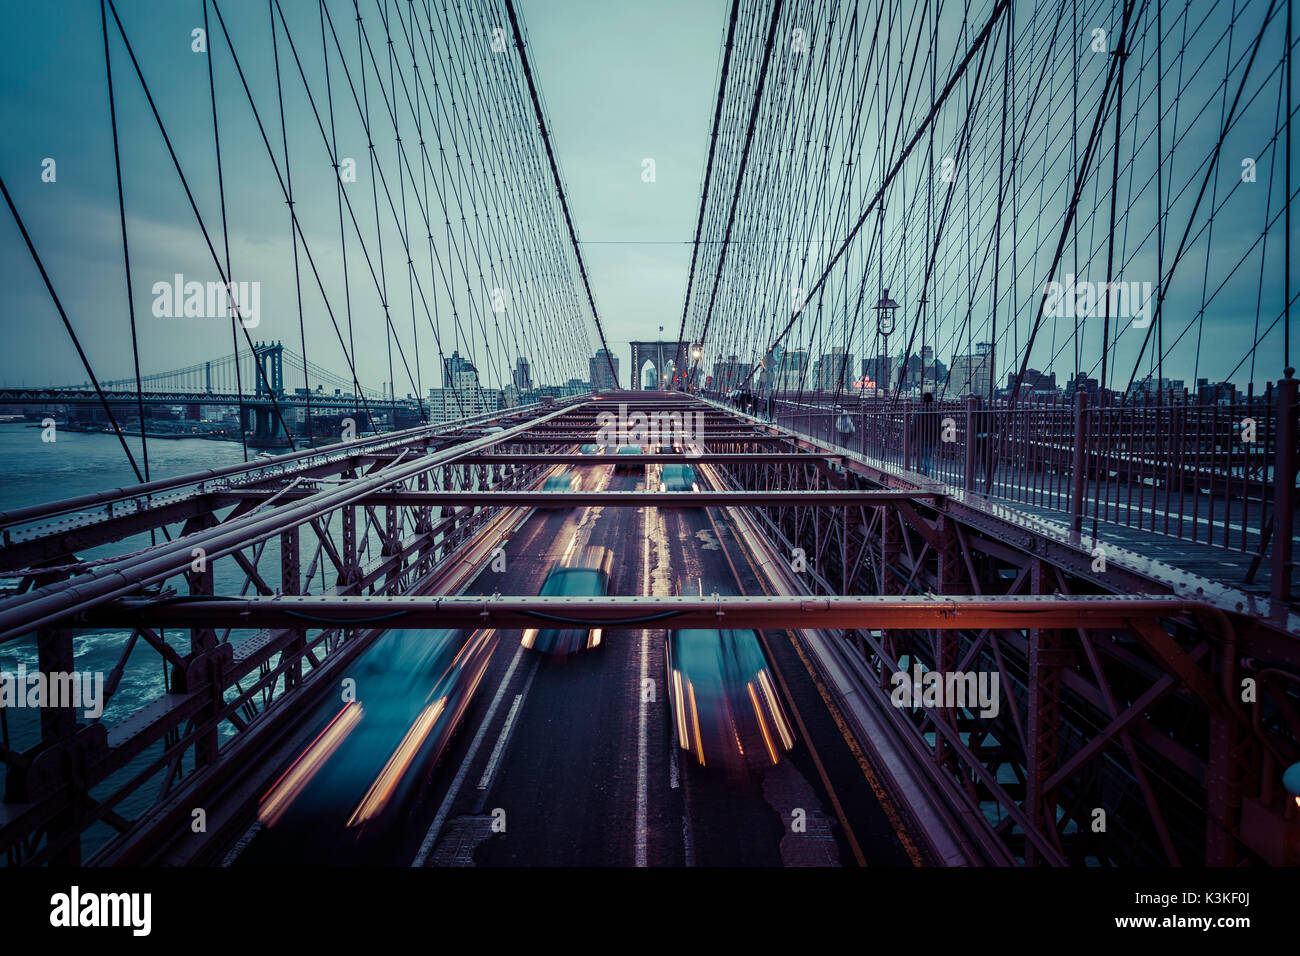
[
  {"x": 203, "y": 642},
  {"x": 1043, "y": 733},
  {"x": 291, "y": 583},
  {"x": 55, "y": 654}
]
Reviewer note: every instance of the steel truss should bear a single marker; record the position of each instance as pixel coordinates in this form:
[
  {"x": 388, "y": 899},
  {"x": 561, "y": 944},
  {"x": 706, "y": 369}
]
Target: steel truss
[{"x": 1131, "y": 705}]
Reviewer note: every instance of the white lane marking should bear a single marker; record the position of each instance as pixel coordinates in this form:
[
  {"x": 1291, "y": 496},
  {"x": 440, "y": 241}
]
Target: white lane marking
[
  {"x": 674, "y": 769},
  {"x": 490, "y": 770},
  {"x": 430, "y": 838},
  {"x": 688, "y": 837},
  {"x": 642, "y": 797},
  {"x": 239, "y": 847},
  {"x": 507, "y": 731}
]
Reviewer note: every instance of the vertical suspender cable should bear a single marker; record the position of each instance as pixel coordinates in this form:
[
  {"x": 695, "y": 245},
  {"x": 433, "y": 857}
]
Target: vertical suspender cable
[{"x": 559, "y": 186}]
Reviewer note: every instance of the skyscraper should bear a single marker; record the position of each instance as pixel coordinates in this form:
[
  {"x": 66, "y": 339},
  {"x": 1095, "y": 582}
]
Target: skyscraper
[
  {"x": 972, "y": 374},
  {"x": 523, "y": 375},
  {"x": 835, "y": 371},
  {"x": 598, "y": 370},
  {"x": 458, "y": 372}
]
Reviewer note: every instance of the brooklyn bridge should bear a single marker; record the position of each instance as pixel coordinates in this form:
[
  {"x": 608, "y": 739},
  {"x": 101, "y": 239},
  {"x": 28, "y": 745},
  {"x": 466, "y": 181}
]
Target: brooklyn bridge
[{"x": 838, "y": 572}]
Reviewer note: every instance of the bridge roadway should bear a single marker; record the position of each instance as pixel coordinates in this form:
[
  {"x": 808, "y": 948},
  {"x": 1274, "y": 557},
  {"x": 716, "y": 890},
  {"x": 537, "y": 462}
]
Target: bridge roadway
[
  {"x": 581, "y": 761},
  {"x": 582, "y": 766}
]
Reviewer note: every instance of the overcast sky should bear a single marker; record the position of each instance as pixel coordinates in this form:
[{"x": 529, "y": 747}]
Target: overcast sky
[{"x": 623, "y": 83}]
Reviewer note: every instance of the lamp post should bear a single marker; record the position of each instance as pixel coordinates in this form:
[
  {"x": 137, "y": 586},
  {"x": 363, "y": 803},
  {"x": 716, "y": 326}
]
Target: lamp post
[
  {"x": 885, "y": 310},
  {"x": 659, "y": 366}
]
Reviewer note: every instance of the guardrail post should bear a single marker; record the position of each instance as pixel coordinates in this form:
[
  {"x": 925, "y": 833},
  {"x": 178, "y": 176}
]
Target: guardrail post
[
  {"x": 1078, "y": 461},
  {"x": 907, "y": 439},
  {"x": 972, "y": 403},
  {"x": 1284, "y": 469}
]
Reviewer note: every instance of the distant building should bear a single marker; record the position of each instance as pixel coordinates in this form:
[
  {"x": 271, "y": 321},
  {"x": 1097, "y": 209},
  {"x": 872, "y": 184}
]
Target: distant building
[
  {"x": 458, "y": 372},
  {"x": 1212, "y": 393},
  {"x": 922, "y": 372},
  {"x": 835, "y": 371},
  {"x": 883, "y": 372},
  {"x": 1080, "y": 381},
  {"x": 972, "y": 374},
  {"x": 523, "y": 375},
  {"x": 729, "y": 374},
  {"x": 791, "y": 370},
  {"x": 599, "y": 373},
  {"x": 1035, "y": 382},
  {"x": 449, "y": 404},
  {"x": 1162, "y": 390}
]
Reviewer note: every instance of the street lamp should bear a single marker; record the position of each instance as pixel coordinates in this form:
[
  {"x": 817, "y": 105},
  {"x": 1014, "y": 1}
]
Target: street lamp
[{"x": 885, "y": 310}]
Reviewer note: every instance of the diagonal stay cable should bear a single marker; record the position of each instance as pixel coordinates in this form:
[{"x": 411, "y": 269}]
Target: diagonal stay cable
[
  {"x": 559, "y": 186},
  {"x": 85, "y": 362},
  {"x": 176, "y": 163},
  {"x": 980, "y": 40},
  {"x": 740, "y": 179},
  {"x": 708, "y": 174}
]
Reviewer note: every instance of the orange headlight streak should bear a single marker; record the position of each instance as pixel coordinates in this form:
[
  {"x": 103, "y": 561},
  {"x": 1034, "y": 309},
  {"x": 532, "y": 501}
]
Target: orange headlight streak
[
  {"x": 762, "y": 724},
  {"x": 774, "y": 708},
  {"x": 679, "y": 711},
  {"x": 292, "y": 782},
  {"x": 382, "y": 789},
  {"x": 695, "y": 720}
]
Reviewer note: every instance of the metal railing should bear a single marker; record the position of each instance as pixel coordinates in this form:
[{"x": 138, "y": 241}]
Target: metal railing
[{"x": 1219, "y": 474}]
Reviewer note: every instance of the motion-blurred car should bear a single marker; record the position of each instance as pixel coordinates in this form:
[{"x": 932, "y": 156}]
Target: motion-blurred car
[
  {"x": 560, "y": 483},
  {"x": 370, "y": 759},
  {"x": 592, "y": 450},
  {"x": 629, "y": 465},
  {"x": 564, "y": 481},
  {"x": 584, "y": 575},
  {"x": 674, "y": 477},
  {"x": 724, "y": 703}
]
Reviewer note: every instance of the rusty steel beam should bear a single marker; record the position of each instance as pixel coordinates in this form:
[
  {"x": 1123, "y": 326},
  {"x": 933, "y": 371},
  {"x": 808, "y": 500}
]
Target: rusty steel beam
[
  {"x": 616, "y": 499},
  {"x": 47, "y": 604},
  {"x": 760, "y": 612},
  {"x": 738, "y": 458},
  {"x": 337, "y": 452},
  {"x": 589, "y": 437}
]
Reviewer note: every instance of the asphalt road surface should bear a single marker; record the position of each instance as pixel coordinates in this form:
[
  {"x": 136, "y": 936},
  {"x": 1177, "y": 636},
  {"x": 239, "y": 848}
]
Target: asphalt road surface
[{"x": 570, "y": 761}]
